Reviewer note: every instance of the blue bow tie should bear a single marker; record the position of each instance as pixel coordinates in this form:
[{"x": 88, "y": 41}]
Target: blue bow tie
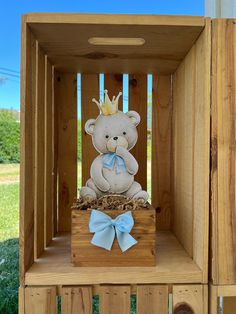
[
  {"x": 110, "y": 159},
  {"x": 105, "y": 228}
]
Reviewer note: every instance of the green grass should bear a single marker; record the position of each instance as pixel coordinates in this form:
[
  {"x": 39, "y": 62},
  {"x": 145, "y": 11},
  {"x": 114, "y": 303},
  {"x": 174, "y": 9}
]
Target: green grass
[
  {"x": 9, "y": 232},
  {"x": 9, "y": 281},
  {"x": 9, "y": 213}
]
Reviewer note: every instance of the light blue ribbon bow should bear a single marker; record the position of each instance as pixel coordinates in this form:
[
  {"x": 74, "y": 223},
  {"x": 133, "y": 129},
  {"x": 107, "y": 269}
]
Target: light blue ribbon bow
[
  {"x": 105, "y": 228},
  {"x": 110, "y": 159}
]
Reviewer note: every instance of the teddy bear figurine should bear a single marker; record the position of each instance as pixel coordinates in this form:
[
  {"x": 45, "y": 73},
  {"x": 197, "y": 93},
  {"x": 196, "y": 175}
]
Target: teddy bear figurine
[{"x": 114, "y": 134}]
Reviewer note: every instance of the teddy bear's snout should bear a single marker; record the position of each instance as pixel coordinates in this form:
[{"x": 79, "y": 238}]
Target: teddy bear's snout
[{"x": 115, "y": 141}]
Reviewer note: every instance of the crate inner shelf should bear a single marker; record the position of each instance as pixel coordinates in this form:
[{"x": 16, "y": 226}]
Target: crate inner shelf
[{"x": 54, "y": 267}]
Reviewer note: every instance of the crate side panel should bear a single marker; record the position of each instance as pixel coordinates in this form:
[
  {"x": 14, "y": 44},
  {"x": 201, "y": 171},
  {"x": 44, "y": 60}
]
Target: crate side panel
[
  {"x": 48, "y": 183},
  {"x": 114, "y": 84},
  {"x": 89, "y": 110},
  {"x": 114, "y": 299},
  {"x": 201, "y": 147},
  {"x": 28, "y": 74},
  {"x": 161, "y": 149},
  {"x": 183, "y": 110},
  {"x": 40, "y": 300},
  {"x": 224, "y": 151},
  {"x": 39, "y": 152},
  {"x": 77, "y": 300},
  {"x": 191, "y": 138},
  {"x": 66, "y": 101},
  {"x": 138, "y": 102},
  {"x": 153, "y": 298},
  {"x": 55, "y": 153}
]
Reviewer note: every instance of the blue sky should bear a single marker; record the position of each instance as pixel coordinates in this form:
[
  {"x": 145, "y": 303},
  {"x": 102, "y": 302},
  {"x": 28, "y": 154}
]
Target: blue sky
[{"x": 10, "y": 16}]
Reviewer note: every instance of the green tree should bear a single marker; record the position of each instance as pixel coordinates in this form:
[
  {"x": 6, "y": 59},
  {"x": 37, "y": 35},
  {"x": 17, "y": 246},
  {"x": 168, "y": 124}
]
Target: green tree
[{"x": 9, "y": 138}]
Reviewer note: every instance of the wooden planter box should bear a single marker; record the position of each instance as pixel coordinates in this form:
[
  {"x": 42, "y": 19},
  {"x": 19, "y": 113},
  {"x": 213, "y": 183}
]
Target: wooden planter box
[{"x": 83, "y": 253}]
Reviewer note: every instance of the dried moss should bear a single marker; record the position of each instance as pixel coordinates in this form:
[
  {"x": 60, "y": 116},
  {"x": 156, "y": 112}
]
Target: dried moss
[{"x": 110, "y": 202}]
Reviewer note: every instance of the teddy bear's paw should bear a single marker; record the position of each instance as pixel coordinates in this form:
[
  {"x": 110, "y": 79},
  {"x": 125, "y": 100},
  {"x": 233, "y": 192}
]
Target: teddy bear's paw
[
  {"x": 87, "y": 193},
  {"x": 142, "y": 196}
]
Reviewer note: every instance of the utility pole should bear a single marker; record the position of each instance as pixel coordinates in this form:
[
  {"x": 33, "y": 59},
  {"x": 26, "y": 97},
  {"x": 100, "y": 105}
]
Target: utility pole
[{"x": 220, "y": 8}]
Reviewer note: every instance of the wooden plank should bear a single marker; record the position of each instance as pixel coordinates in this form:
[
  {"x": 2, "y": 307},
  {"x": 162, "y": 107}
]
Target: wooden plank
[
  {"x": 138, "y": 102},
  {"x": 89, "y": 90},
  {"x": 226, "y": 290},
  {"x": 40, "y": 300},
  {"x": 190, "y": 299},
  {"x": 201, "y": 146},
  {"x": 128, "y": 19},
  {"x": 191, "y": 138},
  {"x": 223, "y": 151},
  {"x": 77, "y": 300},
  {"x": 48, "y": 178},
  {"x": 173, "y": 266},
  {"x": 54, "y": 154},
  {"x": 21, "y": 300},
  {"x": 66, "y": 102},
  {"x": 114, "y": 84},
  {"x": 27, "y": 112},
  {"x": 161, "y": 148},
  {"x": 153, "y": 298},
  {"x": 114, "y": 299},
  {"x": 213, "y": 300},
  {"x": 229, "y": 305},
  {"x": 39, "y": 152},
  {"x": 183, "y": 117}
]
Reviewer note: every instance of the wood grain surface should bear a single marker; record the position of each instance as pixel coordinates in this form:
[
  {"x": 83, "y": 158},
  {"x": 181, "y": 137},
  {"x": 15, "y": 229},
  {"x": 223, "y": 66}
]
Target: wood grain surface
[
  {"x": 191, "y": 150},
  {"x": 66, "y": 101},
  {"x": 192, "y": 299},
  {"x": 76, "y": 300},
  {"x": 161, "y": 149},
  {"x": 27, "y": 116},
  {"x": 141, "y": 254},
  {"x": 40, "y": 300},
  {"x": 48, "y": 178},
  {"x": 223, "y": 151},
  {"x": 89, "y": 110},
  {"x": 138, "y": 102},
  {"x": 152, "y": 298},
  {"x": 114, "y": 299},
  {"x": 39, "y": 152}
]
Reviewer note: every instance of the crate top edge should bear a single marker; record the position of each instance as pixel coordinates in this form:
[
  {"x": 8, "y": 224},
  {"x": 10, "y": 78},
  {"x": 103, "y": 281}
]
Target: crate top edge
[{"x": 114, "y": 19}]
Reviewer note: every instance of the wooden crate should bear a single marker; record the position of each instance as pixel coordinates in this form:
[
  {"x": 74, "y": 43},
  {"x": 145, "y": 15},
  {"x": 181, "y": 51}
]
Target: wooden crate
[
  {"x": 83, "y": 253},
  {"x": 180, "y": 139},
  {"x": 223, "y": 159}
]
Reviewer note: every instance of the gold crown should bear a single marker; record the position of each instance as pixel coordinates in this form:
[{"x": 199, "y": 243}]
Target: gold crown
[{"x": 108, "y": 107}]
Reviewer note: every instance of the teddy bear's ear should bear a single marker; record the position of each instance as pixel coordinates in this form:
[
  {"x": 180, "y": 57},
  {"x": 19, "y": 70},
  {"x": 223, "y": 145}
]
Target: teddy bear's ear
[
  {"x": 134, "y": 117},
  {"x": 89, "y": 126}
]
